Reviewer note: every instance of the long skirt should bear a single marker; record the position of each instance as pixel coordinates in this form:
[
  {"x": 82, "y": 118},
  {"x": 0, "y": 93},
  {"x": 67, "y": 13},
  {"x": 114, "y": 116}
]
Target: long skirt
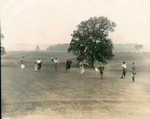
[
  {"x": 36, "y": 67},
  {"x": 82, "y": 70},
  {"x": 22, "y": 66}
]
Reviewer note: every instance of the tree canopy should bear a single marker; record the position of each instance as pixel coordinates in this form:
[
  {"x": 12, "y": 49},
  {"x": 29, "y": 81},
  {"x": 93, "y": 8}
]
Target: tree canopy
[
  {"x": 138, "y": 47},
  {"x": 90, "y": 40},
  {"x": 3, "y": 51}
]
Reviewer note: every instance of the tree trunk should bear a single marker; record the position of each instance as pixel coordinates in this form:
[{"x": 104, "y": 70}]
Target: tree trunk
[
  {"x": 92, "y": 64},
  {"x": 93, "y": 59}
]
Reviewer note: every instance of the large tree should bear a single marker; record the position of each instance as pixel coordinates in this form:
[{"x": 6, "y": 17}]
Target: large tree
[
  {"x": 90, "y": 40},
  {"x": 3, "y": 51}
]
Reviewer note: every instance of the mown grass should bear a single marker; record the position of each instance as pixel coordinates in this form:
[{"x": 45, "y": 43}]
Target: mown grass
[{"x": 49, "y": 91}]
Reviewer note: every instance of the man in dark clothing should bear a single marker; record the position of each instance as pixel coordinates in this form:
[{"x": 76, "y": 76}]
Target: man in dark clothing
[
  {"x": 123, "y": 66},
  {"x": 39, "y": 63},
  {"x": 133, "y": 72},
  {"x": 68, "y": 65},
  {"x": 101, "y": 69}
]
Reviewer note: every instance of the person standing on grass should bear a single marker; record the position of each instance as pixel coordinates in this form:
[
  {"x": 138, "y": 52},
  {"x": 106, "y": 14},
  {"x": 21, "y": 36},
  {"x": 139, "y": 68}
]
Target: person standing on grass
[
  {"x": 56, "y": 64},
  {"x": 123, "y": 66},
  {"x": 35, "y": 66},
  {"x": 133, "y": 72},
  {"x": 22, "y": 64},
  {"x": 68, "y": 65},
  {"x": 101, "y": 69},
  {"x": 82, "y": 71},
  {"x": 39, "y": 64}
]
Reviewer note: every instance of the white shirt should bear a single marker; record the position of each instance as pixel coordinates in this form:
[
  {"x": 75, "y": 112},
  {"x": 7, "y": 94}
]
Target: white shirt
[
  {"x": 38, "y": 61},
  {"x": 56, "y": 61},
  {"x": 124, "y": 66}
]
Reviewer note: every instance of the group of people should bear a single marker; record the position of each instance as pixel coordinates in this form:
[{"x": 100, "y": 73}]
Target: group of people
[
  {"x": 37, "y": 64},
  {"x": 124, "y": 66},
  {"x": 100, "y": 68}
]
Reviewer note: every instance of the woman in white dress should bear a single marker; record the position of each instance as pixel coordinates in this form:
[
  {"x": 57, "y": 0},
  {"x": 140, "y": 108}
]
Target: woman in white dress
[
  {"x": 35, "y": 66},
  {"x": 22, "y": 64},
  {"x": 82, "y": 71}
]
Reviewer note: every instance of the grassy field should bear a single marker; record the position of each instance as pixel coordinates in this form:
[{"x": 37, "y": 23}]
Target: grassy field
[{"x": 54, "y": 94}]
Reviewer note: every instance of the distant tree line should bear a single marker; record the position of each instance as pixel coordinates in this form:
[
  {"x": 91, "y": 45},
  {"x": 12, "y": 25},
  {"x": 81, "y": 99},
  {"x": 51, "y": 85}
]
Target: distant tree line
[{"x": 58, "y": 47}]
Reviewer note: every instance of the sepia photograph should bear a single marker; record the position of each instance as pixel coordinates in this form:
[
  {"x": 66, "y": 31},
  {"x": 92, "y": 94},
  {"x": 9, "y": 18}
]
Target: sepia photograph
[{"x": 75, "y": 59}]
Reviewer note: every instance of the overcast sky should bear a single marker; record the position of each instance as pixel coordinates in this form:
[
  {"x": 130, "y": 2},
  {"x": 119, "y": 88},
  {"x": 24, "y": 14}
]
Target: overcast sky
[{"x": 52, "y": 21}]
